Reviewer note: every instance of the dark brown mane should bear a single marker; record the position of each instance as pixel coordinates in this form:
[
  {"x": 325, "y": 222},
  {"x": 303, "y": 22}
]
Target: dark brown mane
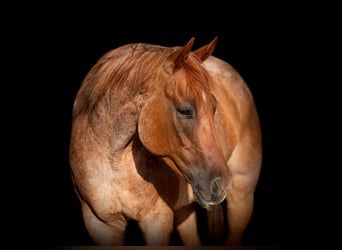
[{"x": 123, "y": 72}]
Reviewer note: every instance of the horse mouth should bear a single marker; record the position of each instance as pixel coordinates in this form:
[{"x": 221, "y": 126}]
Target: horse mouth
[{"x": 199, "y": 198}]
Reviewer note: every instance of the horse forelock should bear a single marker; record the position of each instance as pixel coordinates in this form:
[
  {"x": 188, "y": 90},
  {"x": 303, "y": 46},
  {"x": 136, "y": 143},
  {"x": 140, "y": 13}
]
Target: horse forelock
[{"x": 197, "y": 80}]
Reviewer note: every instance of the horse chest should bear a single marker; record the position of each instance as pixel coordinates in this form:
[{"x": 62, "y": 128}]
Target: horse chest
[{"x": 139, "y": 180}]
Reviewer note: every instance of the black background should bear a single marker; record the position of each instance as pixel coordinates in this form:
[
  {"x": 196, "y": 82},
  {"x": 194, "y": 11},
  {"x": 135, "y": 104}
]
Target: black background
[{"x": 276, "y": 48}]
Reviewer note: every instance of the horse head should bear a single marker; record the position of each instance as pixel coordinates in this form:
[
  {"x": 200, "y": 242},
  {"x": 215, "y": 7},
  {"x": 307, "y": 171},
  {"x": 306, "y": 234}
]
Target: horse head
[{"x": 177, "y": 123}]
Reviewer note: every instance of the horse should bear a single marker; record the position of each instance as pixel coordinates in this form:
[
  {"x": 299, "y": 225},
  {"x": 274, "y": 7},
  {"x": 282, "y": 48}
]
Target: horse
[{"x": 156, "y": 130}]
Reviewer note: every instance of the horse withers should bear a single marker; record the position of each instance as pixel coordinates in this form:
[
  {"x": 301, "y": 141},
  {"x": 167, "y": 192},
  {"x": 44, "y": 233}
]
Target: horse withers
[{"x": 156, "y": 129}]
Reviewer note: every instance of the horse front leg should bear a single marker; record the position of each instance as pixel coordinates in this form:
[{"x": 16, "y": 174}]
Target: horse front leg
[
  {"x": 157, "y": 225},
  {"x": 104, "y": 233},
  {"x": 240, "y": 201},
  {"x": 186, "y": 224}
]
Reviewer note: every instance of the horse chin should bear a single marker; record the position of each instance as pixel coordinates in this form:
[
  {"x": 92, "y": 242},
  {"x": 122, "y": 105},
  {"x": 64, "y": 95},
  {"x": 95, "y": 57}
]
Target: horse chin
[{"x": 207, "y": 204}]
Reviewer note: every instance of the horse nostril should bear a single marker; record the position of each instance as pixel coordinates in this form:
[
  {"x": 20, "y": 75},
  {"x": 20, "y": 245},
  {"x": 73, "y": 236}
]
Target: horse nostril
[{"x": 216, "y": 186}]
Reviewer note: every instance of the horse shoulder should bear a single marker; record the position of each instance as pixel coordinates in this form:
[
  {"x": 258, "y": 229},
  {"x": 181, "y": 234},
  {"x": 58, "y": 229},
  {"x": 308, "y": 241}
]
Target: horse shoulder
[
  {"x": 237, "y": 118},
  {"x": 227, "y": 88},
  {"x": 228, "y": 81}
]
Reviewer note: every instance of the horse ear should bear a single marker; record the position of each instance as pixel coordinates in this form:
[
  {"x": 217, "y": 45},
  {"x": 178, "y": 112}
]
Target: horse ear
[
  {"x": 204, "y": 52},
  {"x": 181, "y": 54}
]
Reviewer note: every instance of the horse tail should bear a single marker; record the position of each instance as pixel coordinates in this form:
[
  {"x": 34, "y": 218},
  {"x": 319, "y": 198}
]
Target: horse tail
[{"x": 216, "y": 224}]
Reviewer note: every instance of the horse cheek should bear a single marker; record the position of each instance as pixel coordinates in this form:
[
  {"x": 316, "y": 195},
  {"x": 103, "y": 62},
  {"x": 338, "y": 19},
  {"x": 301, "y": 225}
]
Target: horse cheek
[{"x": 152, "y": 127}]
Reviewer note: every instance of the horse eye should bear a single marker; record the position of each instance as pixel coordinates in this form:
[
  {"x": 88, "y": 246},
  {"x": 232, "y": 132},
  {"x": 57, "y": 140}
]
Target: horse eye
[{"x": 185, "y": 112}]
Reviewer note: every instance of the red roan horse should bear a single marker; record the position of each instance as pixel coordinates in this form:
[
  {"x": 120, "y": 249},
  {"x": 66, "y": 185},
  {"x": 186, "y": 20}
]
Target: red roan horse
[{"x": 156, "y": 129}]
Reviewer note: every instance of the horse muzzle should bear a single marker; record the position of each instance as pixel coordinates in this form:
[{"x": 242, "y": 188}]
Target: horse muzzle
[{"x": 215, "y": 195}]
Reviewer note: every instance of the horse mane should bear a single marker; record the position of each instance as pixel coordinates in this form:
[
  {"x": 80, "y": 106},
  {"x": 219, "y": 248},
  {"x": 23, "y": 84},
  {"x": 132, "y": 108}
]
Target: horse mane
[{"x": 124, "y": 71}]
